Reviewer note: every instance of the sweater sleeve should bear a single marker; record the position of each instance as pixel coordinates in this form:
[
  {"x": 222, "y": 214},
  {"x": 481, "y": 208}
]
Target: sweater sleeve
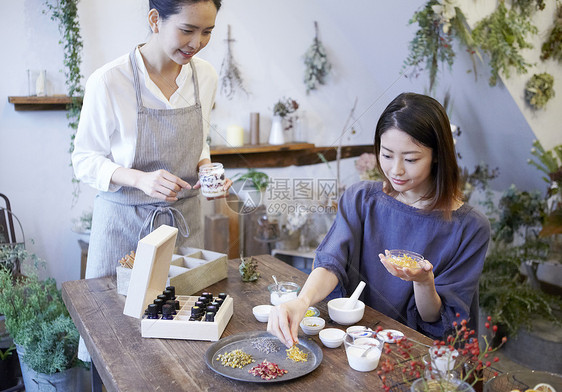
[
  {"x": 340, "y": 250},
  {"x": 457, "y": 282}
]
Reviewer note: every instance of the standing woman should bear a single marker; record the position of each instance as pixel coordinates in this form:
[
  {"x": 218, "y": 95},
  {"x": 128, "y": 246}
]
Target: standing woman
[
  {"x": 418, "y": 207},
  {"x": 142, "y": 134}
]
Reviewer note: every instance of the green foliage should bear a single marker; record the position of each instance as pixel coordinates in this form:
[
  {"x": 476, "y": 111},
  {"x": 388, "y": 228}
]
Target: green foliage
[
  {"x": 549, "y": 162},
  {"x": 519, "y": 210},
  {"x": 53, "y": 345},
  {"x": 478, "y": 179},
  {"x": 502, "y": 35},
  {"x": 528, "y": 6},
  {"x": 439, "y": 23},
  {"x": 5, "y": 354},
  {"x": 539, "y": 90},
  {"x": 430, "y": 45},
  {"x": 552, "y": 47},
  {"x": 259, "y": 179},
  {"x": 24, "y": 300},
  {"x": 505, "y": 295},
  {"x": 316, "y": 62},
  {"x": 13, "y": 255},
  {"x": 65, "y": 12},
  {"x": 38, "y": 320},
  {"x": 248, "y": 269}
]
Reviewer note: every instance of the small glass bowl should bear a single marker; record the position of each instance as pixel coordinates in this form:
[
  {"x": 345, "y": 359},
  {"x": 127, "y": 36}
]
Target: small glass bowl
[
  {"x": 405, "y": 258},
  {"x": 312, "y": 312},
  {"x": 283, "y": 292}
]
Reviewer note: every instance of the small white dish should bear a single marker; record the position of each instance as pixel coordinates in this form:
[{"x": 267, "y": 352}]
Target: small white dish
[
  {"x": 359, "y": 331},
  {"x": 332, "y": 337},
  {"x": 389, "y": 335},
  {"x": 261, "y": 312},
  {"x": 312, "y": 325}
]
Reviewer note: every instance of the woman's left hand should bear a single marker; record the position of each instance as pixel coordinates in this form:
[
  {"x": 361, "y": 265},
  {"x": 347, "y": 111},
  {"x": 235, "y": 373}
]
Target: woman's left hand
[
  {"x": 226, "y": 187},
  {"x": 420, "y": 275}
]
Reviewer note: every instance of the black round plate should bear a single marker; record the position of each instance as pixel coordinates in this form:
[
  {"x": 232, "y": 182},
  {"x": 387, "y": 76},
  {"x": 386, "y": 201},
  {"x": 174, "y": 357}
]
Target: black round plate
[{"x": 243, "y": 341}]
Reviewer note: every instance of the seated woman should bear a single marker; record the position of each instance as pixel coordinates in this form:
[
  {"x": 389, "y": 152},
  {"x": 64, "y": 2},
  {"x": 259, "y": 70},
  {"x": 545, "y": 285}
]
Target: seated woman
[{"x": 418, "y": 207}]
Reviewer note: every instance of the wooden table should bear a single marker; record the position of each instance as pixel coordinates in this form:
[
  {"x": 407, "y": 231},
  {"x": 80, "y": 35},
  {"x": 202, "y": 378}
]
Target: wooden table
[{"x": 126, "y": 361}]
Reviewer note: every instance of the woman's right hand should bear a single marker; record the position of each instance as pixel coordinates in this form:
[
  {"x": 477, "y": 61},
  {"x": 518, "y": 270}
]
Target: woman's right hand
[
  {"x": 284, "y": 320},
  {"x": 161, "y": 184}
]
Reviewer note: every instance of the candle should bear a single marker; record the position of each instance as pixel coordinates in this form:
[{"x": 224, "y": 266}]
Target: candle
[{"x": 234, "y": 136}]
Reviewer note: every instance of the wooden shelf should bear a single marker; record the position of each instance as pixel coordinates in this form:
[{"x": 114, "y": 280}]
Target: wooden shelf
[
  {"x": 53, "y": 102},
  {"x": 266, "y": 155}
]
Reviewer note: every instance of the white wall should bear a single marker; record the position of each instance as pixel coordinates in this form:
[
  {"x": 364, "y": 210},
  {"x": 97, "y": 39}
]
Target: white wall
[{"x": 367, "y": 42}]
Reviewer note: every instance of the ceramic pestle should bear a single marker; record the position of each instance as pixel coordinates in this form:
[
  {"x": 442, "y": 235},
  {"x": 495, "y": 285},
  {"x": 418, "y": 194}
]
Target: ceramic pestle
[{"x": 352, "y": 301}]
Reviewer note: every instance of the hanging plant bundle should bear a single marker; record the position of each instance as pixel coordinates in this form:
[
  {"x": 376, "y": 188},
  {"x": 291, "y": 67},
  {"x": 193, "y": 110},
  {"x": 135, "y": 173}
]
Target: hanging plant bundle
[
  {"x": 552, "y": 47},
  {"x": 502, "y": 35},
  {"x": 316, "y": 62},
  {"x": 529, "y": 6},
  {"x": 439, "y": 22},
  {"x": 231, "y": 78},
  {"x": 539, "y": 90}
]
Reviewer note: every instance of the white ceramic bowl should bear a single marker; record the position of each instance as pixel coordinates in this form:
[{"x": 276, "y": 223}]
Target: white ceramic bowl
[
  {"x": 332, "y": 337},
  {"x": 345, "y": 316},
  {"x": 261, "y": 312},
  {"x": 312, "y": 325}
]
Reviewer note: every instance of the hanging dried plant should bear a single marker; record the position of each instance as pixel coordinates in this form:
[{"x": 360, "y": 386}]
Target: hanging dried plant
[
  {"x": 440, "y": 21},
  {"x": 231, "y": 78},
  {"x": 529, "y": 6},
  {"x": 503, "y": 36},
  {"x": 539, "y": 90},
  {"x": 316, "y": 61},
  {"x": 552, "y": 47}
]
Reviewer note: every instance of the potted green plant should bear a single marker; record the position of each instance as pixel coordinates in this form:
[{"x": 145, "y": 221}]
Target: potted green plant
[
  {"x": 45, "y": 336},
  {"x": 250, "y": 188},
  {"x": 259, "y": 180}
]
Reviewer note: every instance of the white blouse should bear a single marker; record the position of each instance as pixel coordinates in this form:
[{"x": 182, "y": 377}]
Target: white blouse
[{"x": 107, "y": 132}]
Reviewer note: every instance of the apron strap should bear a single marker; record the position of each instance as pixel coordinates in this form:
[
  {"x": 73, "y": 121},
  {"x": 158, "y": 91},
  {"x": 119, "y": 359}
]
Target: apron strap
[
  {"x": 136, "y": 83},
  {"x": 195, "y": 83},
  {"x": 173, "y": 213}
]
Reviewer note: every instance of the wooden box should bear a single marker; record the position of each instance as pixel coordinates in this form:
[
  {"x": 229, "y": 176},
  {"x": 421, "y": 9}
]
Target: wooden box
[
  {"x": 149, "y": 278},
  {"x": 195, "y": 269},
  {"x": 181, "y": 328},
  {"x": 191, "y": 271}
]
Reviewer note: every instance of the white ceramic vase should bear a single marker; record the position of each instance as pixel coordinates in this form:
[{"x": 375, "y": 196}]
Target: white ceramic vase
[{"x": 276, "y": 135}]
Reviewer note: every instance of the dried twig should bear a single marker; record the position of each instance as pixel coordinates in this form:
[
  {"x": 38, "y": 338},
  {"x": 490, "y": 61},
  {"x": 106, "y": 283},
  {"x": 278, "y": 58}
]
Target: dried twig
[{"x": 231, "y": 78}]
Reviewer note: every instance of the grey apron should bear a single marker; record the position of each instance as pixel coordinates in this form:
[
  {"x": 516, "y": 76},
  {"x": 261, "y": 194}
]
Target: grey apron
[{"x": 170, "y": 139}]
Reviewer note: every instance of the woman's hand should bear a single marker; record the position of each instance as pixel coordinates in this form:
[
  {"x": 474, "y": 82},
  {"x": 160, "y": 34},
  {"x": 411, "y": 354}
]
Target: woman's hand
[
  {"x": 284, "y": 320},
  {"x": 226, "y": 187},
  {"x": 419, "y": 275},
  {"x": 427, "y": 300},
  {"x": 161, "y": 184}
]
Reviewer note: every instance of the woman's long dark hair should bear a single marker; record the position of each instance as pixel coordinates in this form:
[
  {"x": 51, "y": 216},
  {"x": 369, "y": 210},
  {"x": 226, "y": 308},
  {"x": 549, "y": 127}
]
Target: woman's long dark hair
[
  {"x": 425, "y": 120},
  {"x": 167, "y": 8}
]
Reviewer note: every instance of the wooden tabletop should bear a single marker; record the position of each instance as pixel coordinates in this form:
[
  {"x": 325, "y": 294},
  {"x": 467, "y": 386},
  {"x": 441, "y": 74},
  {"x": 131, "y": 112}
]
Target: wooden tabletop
[{"x": 128, "y": 362}]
